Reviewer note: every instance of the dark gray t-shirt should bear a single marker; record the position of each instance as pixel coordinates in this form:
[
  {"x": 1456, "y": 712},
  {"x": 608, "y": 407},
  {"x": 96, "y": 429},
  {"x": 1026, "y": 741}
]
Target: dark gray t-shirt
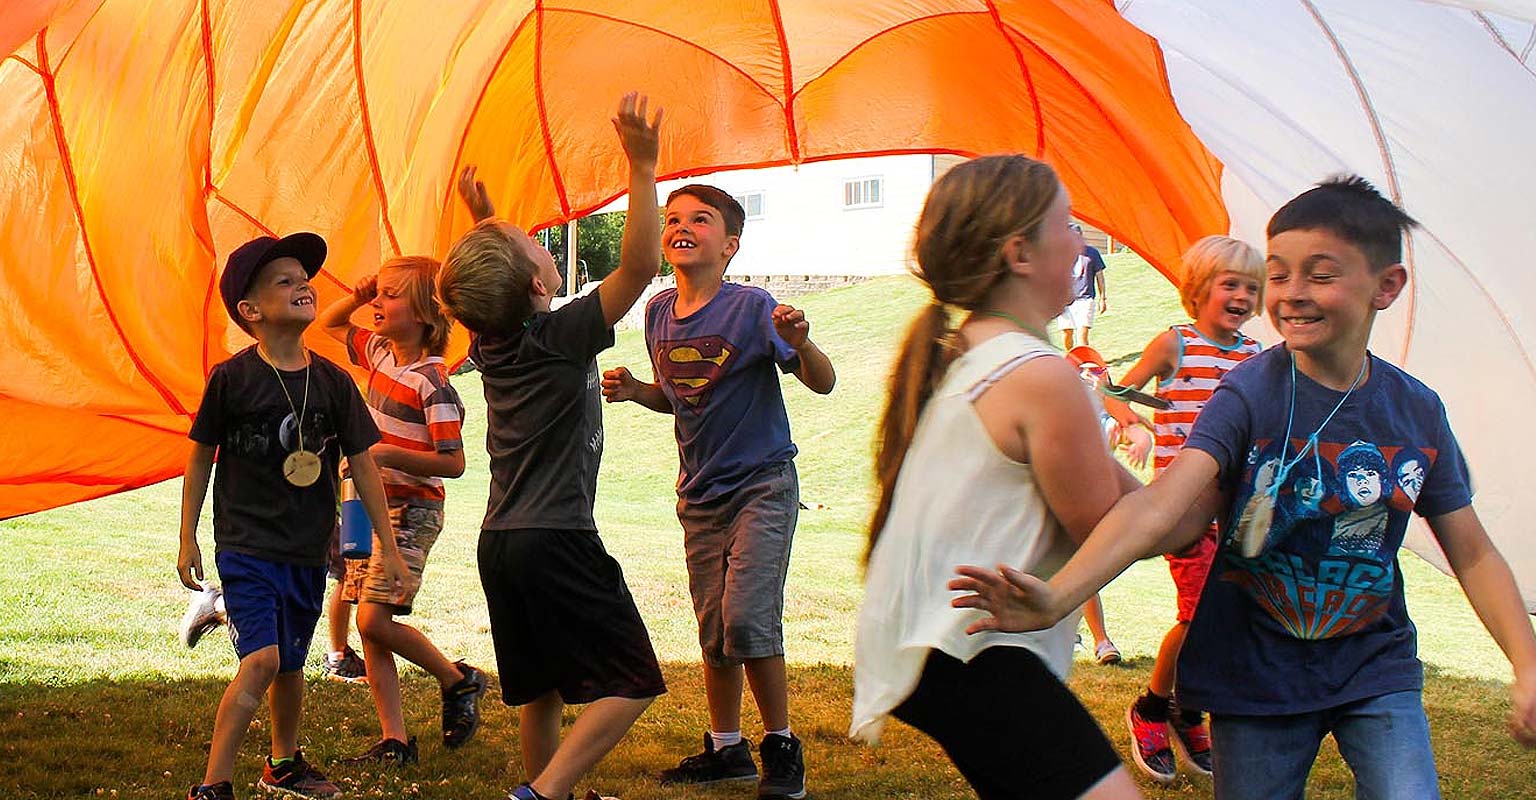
[
  {"x": 245, "y": 415},
  {"x": 544, "y": 430}
]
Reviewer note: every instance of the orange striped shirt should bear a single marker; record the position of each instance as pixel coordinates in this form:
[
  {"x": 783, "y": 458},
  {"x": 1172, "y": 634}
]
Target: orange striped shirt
[
  {"x": 1200, "y": 367},
  {"x": 415, "y": 408}
]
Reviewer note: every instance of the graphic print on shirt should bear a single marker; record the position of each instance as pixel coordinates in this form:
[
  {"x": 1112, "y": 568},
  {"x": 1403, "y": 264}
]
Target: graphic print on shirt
[
  {"x": 693, "y": 366},
  {"x": 1330, "y": 571},
  {"x": 263, "y": 435}
]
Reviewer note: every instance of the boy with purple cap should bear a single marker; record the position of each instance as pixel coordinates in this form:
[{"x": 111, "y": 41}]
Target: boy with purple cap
[{"x": 279, "y": 418}]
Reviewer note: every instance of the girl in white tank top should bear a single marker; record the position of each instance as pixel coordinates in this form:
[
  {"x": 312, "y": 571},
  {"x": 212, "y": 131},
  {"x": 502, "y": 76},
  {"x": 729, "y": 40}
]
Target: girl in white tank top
[{"x": 990, "y": 453}]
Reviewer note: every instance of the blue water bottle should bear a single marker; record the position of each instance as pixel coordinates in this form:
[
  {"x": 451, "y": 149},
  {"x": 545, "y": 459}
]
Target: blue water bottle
[{"x": 356, "y": 530}]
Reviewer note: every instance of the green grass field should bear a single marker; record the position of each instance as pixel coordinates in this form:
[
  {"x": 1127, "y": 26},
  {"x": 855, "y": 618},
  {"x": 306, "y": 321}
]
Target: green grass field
[{"x": 97, "y": 698}]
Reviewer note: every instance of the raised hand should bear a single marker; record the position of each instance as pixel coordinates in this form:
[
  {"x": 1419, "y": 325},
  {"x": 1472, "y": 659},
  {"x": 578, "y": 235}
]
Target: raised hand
[
  {"x": 790, "y": 323},
  {"x": 474, "y": 195},
  {"x": 619, "y": 385},
  {"x": 641, "y": 139},
  {"x": 366, "y": 289},
  {"x": 1016, "y": 601}
]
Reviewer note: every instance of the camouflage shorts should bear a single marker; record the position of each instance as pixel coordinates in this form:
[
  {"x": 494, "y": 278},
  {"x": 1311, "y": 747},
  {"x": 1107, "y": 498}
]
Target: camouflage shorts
[{"x": 416, "y": 530}]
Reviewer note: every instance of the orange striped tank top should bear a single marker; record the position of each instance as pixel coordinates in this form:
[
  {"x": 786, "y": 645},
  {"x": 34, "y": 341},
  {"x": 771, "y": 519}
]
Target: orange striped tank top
[{"x": 1200, "y": 366}]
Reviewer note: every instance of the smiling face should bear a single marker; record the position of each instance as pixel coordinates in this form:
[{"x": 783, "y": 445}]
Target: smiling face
[
  {"x": 694, "y": 236},
  {"x": 280, "y": 295},
  {"x": 1232, "y": 299},
  {"x": 1323, "y": 295}
]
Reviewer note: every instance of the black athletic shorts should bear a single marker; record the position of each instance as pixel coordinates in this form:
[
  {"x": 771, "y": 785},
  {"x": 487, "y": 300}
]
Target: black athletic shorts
[
  {"x": 1012, "y": 729},
  {"x": 563, "y": 619}
]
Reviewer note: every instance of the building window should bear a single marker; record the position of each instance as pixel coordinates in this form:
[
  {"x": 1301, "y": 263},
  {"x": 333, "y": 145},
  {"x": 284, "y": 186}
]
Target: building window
[
  {"x": 752, "y": 203},
  {"x": 864, "y": 193}
]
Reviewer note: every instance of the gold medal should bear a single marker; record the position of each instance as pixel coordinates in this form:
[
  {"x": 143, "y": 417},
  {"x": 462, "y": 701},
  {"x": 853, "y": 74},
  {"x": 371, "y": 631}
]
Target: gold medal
[
  {"x": 1253, "y": 525},
  {"x": 301, "y": 468}
]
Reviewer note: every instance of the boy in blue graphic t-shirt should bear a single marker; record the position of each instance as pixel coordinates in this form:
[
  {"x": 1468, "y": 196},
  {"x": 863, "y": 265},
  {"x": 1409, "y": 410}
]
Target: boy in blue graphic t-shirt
[
  {"x": 716, "y": 349},
  {"x": 1313, "y": 454}
]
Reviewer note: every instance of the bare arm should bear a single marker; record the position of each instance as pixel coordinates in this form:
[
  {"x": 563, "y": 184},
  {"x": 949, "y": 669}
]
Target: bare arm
[
  {"x": 1156, "y": 363},
  {"x": 815, "y": 370},
  {"x": 194, "y": 489},
  {"x": 1491, "y": 589},
  {"x": 619, "y": 385},
  {"x": 370, "y": 489},
  {"x": 423, "y": 463},
  {"x": 640, "y": 250},
  {"x": 336, "y": 318},
  {"x": 1166, "y": 515}
]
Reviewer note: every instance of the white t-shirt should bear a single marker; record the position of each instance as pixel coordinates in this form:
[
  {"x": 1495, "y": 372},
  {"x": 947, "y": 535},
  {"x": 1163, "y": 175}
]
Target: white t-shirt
[{"x": 958, "y": 500}]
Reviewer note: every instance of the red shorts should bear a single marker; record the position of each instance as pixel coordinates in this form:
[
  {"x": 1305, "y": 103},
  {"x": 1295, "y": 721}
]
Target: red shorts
[{"x": 1189, "y": 568}]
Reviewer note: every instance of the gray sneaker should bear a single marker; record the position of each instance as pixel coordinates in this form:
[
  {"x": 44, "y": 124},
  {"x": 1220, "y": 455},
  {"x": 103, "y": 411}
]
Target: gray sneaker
[
  {"x": 205, "y": 612},
  {"x": 347, "y": 667}
]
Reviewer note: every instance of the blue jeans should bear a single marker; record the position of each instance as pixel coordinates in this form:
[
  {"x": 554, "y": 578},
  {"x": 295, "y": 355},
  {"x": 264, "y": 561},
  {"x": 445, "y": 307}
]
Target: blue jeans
[{"x": 1385, "y": 741}]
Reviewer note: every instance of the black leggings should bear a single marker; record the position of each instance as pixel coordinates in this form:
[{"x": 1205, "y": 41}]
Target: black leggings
[{"x": 1012, "y": 729}]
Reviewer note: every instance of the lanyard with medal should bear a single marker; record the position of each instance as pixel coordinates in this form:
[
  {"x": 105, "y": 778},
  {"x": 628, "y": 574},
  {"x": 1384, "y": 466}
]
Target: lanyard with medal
[
  {"x": 1259, "y": 513},
  {"x": 301, "y": 468}
]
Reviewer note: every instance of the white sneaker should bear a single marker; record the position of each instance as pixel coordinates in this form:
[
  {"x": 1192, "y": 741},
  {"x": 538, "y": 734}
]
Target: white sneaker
[{"x": 205, "y": 611}]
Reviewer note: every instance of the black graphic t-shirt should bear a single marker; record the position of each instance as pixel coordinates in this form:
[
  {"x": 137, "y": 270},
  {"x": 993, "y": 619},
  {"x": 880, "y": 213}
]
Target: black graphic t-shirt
[
  {"x": 544, "y": 428},
  {"x": 244, "y": 413},
  {"x": 1318, "y": 618},
  {"x": 719, "y": 367}
]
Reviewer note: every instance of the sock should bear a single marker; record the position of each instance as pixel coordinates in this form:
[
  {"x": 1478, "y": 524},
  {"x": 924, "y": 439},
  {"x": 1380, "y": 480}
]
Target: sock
[
  {"x": 337, "y": 654},
  {"x": 726, "y": 739},
  {"x": 277, "y": 762},
  {"x": 1152, "y": 708},
  {"x": 784, "y": 733}
]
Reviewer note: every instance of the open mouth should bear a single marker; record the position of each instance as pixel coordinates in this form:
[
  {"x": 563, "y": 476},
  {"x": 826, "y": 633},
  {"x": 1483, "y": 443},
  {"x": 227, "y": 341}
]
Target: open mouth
[{"x": 683, "y": 244}]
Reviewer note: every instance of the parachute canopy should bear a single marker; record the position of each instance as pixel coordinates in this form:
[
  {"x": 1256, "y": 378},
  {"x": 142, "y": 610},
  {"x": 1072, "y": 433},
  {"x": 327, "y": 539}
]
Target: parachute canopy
[{"x": 141, "y": 140}]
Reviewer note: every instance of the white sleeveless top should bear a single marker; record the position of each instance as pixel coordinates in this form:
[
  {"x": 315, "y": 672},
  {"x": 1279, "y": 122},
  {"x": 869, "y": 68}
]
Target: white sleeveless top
[{"x": 958, "y": 500}]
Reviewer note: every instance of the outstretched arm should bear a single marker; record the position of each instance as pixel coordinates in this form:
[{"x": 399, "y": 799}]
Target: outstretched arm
[
  {"x": 640, "y": 250},
  {"x": 1490, "y": 587},
  {"x": 815, "y": 369},
  {"x": 1166, "y": 515},
  {"x": 476, "y": 198}
]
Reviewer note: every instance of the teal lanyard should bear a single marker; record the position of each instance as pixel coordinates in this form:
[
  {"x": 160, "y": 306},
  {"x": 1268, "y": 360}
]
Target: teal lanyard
[{"x": 1311, "y": 445}]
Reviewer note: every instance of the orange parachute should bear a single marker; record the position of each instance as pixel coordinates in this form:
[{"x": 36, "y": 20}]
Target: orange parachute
[{"x": 140, "y": 140}]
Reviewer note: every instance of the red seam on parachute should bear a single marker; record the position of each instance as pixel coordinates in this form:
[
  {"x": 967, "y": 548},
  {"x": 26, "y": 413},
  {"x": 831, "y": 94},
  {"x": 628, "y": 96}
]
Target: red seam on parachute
[
  {"x": 1029, "y": 81},
  {"x": 208, "y": 190},
  {"x": 26, "y": 63},
  {"x": 458, "y": 153},
  {"x": 1494, "y": 32},
  {"x": 789, "y": 83},
  {"x": 1382, "y": 148},
  {"x": 538, "y": 96},
  {"x": 362, "y": 105},
  {"x": 668, "y": 35},
  {"x": 57, "y": 118},
  {"x": 269, "y": 232}
]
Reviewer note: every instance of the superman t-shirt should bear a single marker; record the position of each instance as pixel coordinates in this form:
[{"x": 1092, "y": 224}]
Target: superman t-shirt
[
  {"x": 717, "y": 369},
  {"x": 1318, "y": 618}
]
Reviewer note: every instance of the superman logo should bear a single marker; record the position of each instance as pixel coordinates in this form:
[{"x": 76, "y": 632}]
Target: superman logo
[{"x": 692, "y": 366}]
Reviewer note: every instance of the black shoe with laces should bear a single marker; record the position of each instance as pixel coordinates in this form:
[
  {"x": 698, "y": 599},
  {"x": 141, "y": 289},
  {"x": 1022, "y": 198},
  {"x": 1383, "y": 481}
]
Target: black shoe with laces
[
  {"x": 729, "y": 763},
  {"x": 296, "y": 777},
  {"x": 389, "y": 751},
  {"x": 783, "y": 767},
  {"x": 223, "y": 790},
  {"x": 461, "y": 706}
]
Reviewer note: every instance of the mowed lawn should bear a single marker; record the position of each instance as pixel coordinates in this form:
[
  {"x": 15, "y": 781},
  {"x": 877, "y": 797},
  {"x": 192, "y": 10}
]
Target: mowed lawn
[{"x": 98, "y": 699}]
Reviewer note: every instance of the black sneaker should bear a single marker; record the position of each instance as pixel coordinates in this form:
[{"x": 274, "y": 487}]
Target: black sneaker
[
  {"x": 222, "y": 790},
  {"x": 461, "y": 707},
  {"x": 729, "y": 763},
  {"x": 783, "y": 767},
  {"x": 296, "y": 777},
  {"x": 389, "y": 751}
]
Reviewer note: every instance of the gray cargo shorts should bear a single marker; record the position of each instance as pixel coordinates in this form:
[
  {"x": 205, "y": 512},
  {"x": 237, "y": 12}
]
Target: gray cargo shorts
[{"x": 737, "y": 548}]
